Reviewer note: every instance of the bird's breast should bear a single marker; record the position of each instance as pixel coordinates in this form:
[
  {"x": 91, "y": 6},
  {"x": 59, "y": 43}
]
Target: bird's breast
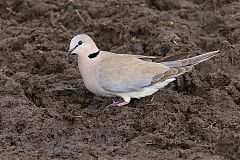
[{"x": 89, "y": 73}]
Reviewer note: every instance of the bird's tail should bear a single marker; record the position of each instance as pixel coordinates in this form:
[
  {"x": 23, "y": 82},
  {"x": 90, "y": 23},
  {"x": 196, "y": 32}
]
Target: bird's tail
[{"x": 190, "y": 61}]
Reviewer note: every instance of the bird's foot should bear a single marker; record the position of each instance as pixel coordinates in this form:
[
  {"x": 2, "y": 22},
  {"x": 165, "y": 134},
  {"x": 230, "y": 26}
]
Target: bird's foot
[{"x": 117, "y": 102}]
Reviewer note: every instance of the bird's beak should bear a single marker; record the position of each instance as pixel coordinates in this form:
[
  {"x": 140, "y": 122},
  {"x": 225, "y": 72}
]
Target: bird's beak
[{"x": 69, "y": 52}]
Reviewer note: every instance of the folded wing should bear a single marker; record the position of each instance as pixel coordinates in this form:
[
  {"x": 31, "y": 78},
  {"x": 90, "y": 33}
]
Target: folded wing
[
  {"x": 131, "y": 73},
  {"x": 128, "y": 74}
]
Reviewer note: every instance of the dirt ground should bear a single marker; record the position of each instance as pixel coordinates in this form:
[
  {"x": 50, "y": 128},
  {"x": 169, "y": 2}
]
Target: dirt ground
[{"x": 47, "y": 113}]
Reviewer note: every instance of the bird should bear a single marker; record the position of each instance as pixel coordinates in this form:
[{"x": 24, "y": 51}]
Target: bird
[{"x": 127, "y": 76}]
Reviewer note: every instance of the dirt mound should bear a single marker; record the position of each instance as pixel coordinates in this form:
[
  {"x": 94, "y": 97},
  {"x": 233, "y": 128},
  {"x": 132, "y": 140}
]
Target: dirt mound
[{"x": 47, "y": 113}]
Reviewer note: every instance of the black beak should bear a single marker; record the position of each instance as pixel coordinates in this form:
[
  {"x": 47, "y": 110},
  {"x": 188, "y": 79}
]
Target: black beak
[{"x": 70, "y": 51}]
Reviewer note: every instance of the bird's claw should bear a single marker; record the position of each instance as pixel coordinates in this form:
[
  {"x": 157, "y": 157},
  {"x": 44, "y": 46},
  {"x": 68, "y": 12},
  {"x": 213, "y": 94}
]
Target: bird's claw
[{"x": 117, "y": 102}]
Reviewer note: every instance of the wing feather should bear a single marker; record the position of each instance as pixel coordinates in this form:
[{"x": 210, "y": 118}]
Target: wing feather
[{"x": 128, "y": 74}]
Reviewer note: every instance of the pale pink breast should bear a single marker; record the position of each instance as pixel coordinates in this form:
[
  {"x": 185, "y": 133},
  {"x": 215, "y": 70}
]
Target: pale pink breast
[{"x": 88, "y": 71}]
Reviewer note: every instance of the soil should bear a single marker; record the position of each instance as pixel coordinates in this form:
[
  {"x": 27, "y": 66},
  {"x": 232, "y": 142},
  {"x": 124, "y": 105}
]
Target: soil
[{"x": 47, "y": 113}]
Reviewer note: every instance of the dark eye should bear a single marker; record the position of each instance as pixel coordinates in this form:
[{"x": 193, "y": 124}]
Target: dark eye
[{"x": 80, "y": 42}]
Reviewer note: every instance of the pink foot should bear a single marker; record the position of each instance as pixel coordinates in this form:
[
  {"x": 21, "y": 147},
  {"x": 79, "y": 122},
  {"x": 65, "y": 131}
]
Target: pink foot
[{"x": 119, "y": 102}]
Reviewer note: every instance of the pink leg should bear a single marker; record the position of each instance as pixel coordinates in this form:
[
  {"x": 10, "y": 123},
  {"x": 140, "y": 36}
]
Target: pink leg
[{"x": 119, "y": 102}]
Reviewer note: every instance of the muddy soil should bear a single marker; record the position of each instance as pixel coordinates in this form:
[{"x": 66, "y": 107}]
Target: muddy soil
[{"x": 47, "y": 113}]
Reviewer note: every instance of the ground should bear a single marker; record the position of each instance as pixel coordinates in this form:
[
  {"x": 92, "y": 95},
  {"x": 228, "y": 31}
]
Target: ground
[{"x": 47, "y": 113}]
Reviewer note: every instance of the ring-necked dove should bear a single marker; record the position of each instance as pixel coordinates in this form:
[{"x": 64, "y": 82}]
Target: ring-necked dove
[{"x": 123, "y": 75}]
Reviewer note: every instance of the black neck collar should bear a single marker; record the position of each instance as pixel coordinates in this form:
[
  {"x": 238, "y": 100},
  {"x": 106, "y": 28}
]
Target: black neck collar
[{"x": 94, "y": 55}]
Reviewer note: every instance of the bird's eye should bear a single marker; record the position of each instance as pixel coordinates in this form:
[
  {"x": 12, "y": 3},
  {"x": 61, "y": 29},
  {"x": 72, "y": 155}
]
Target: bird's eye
[{"x": 80, "y": 42}]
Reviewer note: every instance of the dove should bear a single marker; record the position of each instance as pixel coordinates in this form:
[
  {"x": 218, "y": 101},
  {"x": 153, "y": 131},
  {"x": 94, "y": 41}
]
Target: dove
[{"x": 125, "y": 75}]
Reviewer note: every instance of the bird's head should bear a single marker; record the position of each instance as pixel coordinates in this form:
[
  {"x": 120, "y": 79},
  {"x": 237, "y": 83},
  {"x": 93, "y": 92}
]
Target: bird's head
[{"x": 83, "y": 46}]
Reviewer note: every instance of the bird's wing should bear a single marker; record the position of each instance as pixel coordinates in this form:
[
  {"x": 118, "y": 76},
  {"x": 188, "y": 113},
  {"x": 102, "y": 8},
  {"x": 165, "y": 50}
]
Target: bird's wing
[
  {"x": 119, "y": 73},
  {"x": 128, "y": 73},
  {"x": 174, "y": 57}
]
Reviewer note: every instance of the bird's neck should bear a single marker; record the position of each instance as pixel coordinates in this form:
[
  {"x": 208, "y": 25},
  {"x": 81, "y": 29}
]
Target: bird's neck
[{"x": 88, "y": 65}]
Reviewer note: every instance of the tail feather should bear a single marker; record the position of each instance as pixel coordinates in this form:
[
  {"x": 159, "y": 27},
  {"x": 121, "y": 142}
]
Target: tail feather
[
  {"x": 182, "y": 66},
  {"x": 174, "y": 72},
  {"x": 191, "y": 61}
]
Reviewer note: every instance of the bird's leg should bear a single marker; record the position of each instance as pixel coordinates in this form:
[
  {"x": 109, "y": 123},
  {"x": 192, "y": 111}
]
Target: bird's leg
[{"x": 119, "y": 102}]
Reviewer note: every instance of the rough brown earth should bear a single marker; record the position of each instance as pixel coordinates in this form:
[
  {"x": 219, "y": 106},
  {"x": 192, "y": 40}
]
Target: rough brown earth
[{"x": 47, "y": 113}]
